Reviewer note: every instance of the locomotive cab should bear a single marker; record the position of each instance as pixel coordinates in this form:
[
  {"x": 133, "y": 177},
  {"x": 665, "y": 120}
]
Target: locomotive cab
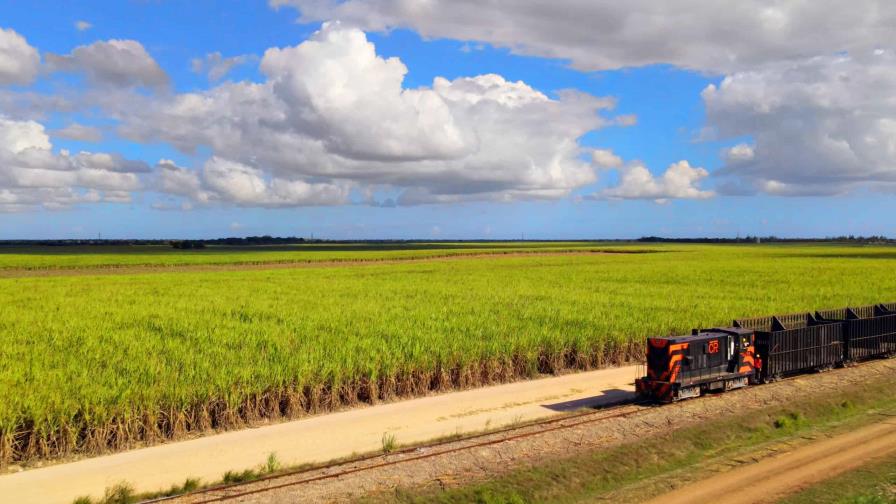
[{"x": 687, "y": 366}]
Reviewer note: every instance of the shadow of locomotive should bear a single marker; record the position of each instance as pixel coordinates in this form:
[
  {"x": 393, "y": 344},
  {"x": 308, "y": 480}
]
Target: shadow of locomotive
[{"x": 605, "y": 398}]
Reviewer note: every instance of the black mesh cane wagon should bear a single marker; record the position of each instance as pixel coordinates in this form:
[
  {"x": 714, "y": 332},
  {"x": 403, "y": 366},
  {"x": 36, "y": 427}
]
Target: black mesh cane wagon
[
  {"x": 868, "y": 331},
  {"x": 790, "y": 344}
]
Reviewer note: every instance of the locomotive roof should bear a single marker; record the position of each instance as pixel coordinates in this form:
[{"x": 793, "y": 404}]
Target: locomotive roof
[{"x": 707, "y": 333}]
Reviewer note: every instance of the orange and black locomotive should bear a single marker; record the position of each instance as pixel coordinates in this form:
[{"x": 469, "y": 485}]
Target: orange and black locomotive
[
  {"x": 763, "y": 349},
  {"x": 710, "y": 360}
]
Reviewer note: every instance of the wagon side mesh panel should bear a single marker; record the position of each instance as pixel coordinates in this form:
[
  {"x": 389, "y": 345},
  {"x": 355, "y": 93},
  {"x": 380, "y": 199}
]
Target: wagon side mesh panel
[
  {"x": 889, "y": 306},
  {"x": 843, "y": 313},
  {"x": 871, "y": 337},
  {"x": 793, "y": 350},
  {"x": 864, "y": 311},
  {"x": 791, "y": 321},
  {"x": 868, "y": 331}
]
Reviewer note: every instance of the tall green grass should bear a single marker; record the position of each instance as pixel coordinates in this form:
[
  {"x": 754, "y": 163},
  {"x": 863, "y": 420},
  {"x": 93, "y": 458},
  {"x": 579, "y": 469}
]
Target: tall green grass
[{"x": 91, "y": 363}]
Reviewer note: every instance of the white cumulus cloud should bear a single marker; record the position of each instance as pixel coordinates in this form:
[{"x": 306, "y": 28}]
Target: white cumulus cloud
[
  {"x": 819, "y": 126},
  {"x": 176, "y": 180},
  {"x": 679, "y": 181},
  {"x": 31, "y": 174},
  {"x": 123, "y": 63},
  {"x": 248, "y": 186},
  {"x": 605, "y": 158},
  {"x": 333, "y": 114},
  {"x": 19, "y": 62},
  {"x": 705, "y": 35}
]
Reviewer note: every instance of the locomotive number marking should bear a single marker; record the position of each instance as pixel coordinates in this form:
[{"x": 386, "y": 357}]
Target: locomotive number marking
[{"x": 713, "y": 346}]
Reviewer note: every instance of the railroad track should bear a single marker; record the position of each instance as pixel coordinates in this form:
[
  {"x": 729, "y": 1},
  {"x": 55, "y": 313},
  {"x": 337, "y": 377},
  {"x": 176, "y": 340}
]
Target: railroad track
[
  {"x": 226, "y": 492},
  {"x": 294, "y": 478}
]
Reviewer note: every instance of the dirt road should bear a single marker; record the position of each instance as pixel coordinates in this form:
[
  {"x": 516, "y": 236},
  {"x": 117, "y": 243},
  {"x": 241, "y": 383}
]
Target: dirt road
[
  {"x": 772, "y": 478},
  {"x": 321, "y": 438}
]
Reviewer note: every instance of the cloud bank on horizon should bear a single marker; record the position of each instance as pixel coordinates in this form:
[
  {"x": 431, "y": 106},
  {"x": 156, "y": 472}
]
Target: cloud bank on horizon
[{"x": 804, "y": 98}]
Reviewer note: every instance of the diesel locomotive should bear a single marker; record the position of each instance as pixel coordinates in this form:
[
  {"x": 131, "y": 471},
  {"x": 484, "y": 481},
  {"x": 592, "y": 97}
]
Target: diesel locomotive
[{"x": 763, "y": 349}]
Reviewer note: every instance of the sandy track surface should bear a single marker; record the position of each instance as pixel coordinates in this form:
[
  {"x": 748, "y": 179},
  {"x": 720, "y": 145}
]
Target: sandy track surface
[
  {"x": 321, "y": 438},
  {"x": 301, "y": 264},
  {"x": 772, "y": 478}
]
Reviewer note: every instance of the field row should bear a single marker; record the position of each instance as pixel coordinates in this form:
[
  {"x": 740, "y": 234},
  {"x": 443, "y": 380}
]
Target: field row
[
  {"x": 97, "y": 362},
  {"x": 86, "y": 257}
]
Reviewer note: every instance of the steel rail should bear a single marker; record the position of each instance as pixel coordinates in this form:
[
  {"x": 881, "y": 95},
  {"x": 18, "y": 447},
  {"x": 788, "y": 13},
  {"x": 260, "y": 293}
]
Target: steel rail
[{"x": 553, "y": 424}]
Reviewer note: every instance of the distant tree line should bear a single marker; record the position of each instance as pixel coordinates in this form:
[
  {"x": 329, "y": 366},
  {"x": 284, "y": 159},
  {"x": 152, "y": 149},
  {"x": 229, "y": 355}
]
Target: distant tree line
[
  {"x": 257, "y": 240},
  {"x": 772, "y": 239},
  {"x": 237, "y": 242},
  {"x": 178, "y": 244},
  {"x": 190, "y": 244}
]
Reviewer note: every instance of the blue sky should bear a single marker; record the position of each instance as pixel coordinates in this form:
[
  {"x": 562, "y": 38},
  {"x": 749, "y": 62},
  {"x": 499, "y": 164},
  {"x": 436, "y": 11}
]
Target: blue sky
[{"x": 794, "y": 189}]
